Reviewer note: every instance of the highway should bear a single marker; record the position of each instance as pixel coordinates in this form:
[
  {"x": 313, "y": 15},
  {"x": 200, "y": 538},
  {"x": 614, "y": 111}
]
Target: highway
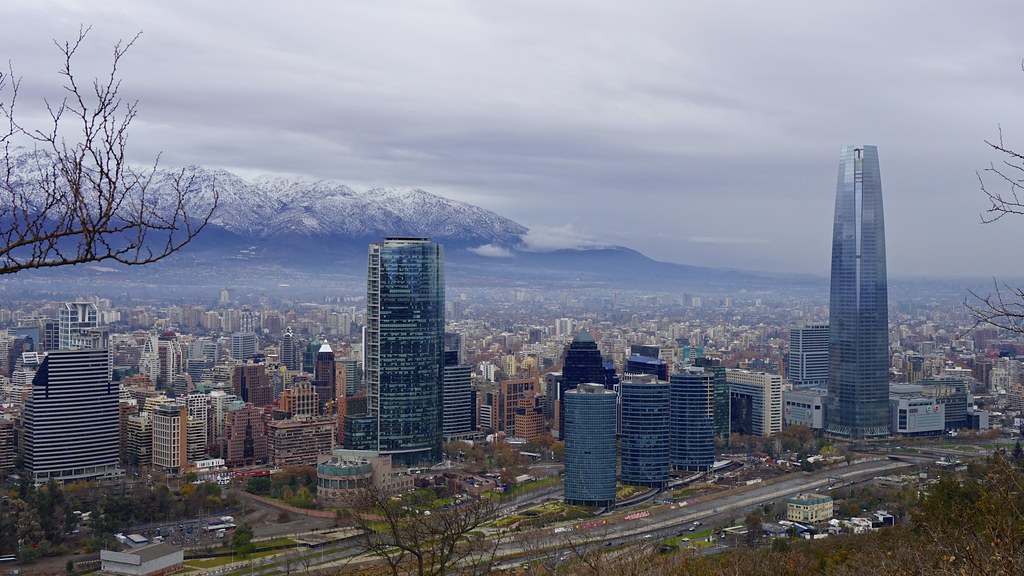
[{"x": 665, "y": 521}]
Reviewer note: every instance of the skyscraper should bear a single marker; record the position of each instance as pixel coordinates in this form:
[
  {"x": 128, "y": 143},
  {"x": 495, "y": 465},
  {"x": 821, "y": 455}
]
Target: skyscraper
[
  {"x": 583, "y": 365},
  {"x": 808, "y": 356},
  {"x": 691, "y": 398},
  {"x": 645, "y": 430},
  {"x": 858, "y": 384},
  {"x": 590, "y": 445},
  {"x": 71, "y": 419},
  {"x": 405, "y": 347}
]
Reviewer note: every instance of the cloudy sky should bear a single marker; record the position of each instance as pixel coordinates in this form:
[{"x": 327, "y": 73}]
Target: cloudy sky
[{"x": 705, "y": 133}]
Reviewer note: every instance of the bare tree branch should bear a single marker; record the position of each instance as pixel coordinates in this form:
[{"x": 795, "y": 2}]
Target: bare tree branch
[
  {"x": 74, "y": 200},
  {"x": 426, "y": 543}
]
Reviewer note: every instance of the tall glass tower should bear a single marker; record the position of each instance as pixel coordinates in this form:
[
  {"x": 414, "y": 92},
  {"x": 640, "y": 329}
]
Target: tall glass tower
[
  {"x": 405, "y": 348},
  {"x": 858, "y": 379}
]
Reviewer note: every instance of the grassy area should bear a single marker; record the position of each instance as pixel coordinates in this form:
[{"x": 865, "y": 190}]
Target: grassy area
[
  {"x": 223, "y": 560},
  {"x": 521, "y": 489},
  {"x": 623, "y": 491}
]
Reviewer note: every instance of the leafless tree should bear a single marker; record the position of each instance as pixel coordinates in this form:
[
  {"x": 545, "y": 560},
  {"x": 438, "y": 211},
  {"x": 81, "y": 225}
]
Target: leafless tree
[
  {"x": 73, "y": 198},
  {"x": 443, "y": 541}
]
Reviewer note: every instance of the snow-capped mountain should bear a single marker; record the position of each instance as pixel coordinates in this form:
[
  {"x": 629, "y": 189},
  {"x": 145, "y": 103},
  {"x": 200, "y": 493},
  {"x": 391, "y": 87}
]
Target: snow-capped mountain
[{"x": 272, "y": 207}]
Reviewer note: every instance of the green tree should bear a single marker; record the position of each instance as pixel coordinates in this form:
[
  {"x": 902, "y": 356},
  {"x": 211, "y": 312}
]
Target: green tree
[{"x": 241, "y": 541}]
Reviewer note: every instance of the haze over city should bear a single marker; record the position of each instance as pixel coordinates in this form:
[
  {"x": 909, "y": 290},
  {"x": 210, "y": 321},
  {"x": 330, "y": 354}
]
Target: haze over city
[{"x": 696, "y": 134}]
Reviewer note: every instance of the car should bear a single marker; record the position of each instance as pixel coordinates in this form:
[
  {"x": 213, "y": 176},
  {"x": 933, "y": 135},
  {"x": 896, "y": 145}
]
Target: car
[
  {"x": 691, "y": 528},
  {"x": 698, "y": 523}
]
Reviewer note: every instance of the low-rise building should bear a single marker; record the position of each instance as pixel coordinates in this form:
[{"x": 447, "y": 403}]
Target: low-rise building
[
  {"x": 150, "y": 560},
  {"x": 810, "y": 508}
]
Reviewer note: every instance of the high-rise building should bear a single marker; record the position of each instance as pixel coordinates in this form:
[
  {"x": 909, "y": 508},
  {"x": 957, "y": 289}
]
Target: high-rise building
[
  {"x": 858, "y": 383},
  {"x": 243, "y": 345},
  {"x": 645, "y": 434},
  {"x": 756, "y": 402},
  {"x": 252, "y": 385},
  {"x": 722, "y": 409},
  {"x": 291, "y": 350},
  {"x": 808, "y": 356},
  {"x": 691, "y": 400},
  {"x": 71, "y": 419},
  {"x": 590, "y": 446},
  {"x": 405, "y": 348},
  {"x": 73, "y": 319},
  {"x": 324, "y": 377},
  {"x": 457, "y": 397},
  {"x": 583, "y": 365}
]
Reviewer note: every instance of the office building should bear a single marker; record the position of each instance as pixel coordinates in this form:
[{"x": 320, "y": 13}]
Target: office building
[
  {"x": 291, "y": 350},
  {"x": 692, "y": 427},
  {"x": 858, "y": 380},
  {"x": 405, "y": 348},
  {"x": 656, "y": 367},
  {"x": 251, "y": 383},
  {"x": 808, "y": 356},
  {"x": 590, "y": 447},
  {"x": 299, "y": 442},
  {"x": 243, "y": 345},
  {"x": 646, "y": 430},
  {"x": 723, "y": 398},
  {"x": 71, "y": 428},
  {"x": 324, "y": 378},
  {"x": 73, "y": 319},
  {"x": 244, "y": 435},
  {"x": 756, "y": 399},
  {"x": 583, "y": 365},
  {"x": 457, "y": 418},
  {"x": 803, "y": 407}
]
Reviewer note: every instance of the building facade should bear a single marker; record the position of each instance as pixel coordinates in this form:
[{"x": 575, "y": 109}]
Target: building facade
[
  {"x": 756, "y": 402},
  {"x": 590, "y": 446},
  {"x": 808, "y": 356},
  {"x": 71, "y": 419},
  {"x": 646, "y": 432},
  {"x": 858, "y": 380},
  {"x": 692, "y": 429},
  {"x": 405, "y": 348},
  {"x": 583, "y": 365}
]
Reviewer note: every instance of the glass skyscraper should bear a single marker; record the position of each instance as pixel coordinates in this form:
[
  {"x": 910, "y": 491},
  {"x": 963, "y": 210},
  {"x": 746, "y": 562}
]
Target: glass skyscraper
[
  {"x": 590, "y": 446},
  {"x": 405, "y": 348},
  {"x": 858, "y": 379},
  {"x": 645, "y": 430},
  {"x": 692, "y": 431}
]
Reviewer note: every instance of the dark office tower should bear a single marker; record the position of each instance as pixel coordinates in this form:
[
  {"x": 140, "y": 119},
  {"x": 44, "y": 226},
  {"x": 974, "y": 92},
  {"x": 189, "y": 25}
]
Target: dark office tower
[
  {"x": 723, "y": 401},
  {"x": 645, "y": 430},
  {"x": 808, "y": 356},
  {"x": 71, "y": 420},
  {"x": 637, "y": 364},
  {"x": 583, "y": 365},
  {"x": 590, "y": 445},
  {"x": 691, "y": 402},
  {"x": 405, "y": 348},
  {"x": 858, "y": 384},
  {"x": 252, "y": 384},
  {"x": 324, "y": 379},
  {"x": 291, "y": 351}
]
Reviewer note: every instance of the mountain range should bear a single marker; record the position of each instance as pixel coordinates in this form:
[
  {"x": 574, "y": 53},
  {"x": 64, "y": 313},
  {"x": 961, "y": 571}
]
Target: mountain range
[{"x": 277, "y": 226}]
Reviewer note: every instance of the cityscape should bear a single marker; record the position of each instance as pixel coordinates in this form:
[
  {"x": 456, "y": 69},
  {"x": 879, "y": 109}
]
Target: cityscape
[
  {"x": 567, "y": 427},
  {"x": 531, "y": 290}
]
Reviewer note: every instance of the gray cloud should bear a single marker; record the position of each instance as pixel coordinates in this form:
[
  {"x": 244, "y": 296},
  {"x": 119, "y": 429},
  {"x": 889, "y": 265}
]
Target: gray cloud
[{"x": 648, "y": 127}]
